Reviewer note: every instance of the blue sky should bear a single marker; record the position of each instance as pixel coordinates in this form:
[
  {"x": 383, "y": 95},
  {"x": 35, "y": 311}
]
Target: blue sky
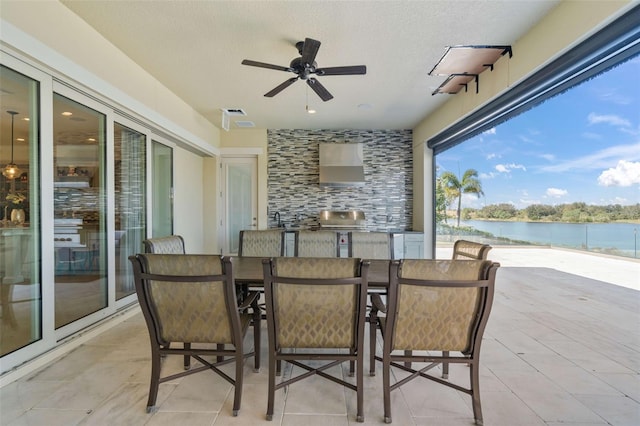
[{"x": 583, "y": 145}]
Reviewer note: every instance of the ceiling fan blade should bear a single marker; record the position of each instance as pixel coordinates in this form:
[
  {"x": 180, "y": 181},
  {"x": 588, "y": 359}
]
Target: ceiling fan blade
[
  {"x": 319, "y": 89},
  {"x": 350, "y": 70},
  {"x": 310, "y": 50},
  {"x": 280, "y": 88},
  {"x": 264, "y": 65}
]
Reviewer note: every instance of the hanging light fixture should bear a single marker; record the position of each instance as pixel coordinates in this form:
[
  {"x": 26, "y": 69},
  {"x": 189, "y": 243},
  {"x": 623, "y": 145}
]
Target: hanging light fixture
[{"x": 11, "y": 170}]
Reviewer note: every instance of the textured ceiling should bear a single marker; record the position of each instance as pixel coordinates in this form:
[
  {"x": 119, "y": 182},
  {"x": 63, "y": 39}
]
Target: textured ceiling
[{"x": 195, "y": 48}]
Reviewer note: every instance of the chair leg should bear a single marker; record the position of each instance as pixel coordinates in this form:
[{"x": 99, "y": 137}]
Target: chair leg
[
  {"x": 407, "y": 353},
  {"x": 237, "y": 399},
  {"x": 445, "y": 366},
  {"x": 155, "y": 379},
  {"x": 220, "y": 347},
  {"x": 352, "y": 365},
  {"x": 187, "y": 358},
  {"x": 272, "y": 386},
  {"x": 475, "y": 391},
  {"x": 386, "y": 387},
  {"x": 360, "y": 388},
  {"x": 257, "y": 315},
  {"x": 373, "y": 328}
]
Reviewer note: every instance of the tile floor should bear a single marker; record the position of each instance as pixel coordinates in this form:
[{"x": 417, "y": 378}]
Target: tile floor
[{"x": 559, "y": 349}]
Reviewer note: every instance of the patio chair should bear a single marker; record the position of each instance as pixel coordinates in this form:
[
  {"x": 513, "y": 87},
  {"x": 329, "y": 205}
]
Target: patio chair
[
  {"x": 317, "y": 244},
  {"x": 466, "y": 250},
  {"x": 261, "y": 243},
  {"x": 315, "y": 312},
  {"x": 173, "y": 244},
  {"x": 441, "y": 306},
  {"x": 192, "y": 299},
  {"x": 470, "y": 250},
  {"x": 462, "y": 250},
  {"x": 370, "y": 245}
]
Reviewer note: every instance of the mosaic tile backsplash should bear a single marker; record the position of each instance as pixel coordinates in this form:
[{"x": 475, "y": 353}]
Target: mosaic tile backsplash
[{"x": 293, "y": 177}]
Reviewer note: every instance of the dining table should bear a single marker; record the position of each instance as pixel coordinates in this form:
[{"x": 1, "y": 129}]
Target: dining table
[{"x": 248, "y": 271}]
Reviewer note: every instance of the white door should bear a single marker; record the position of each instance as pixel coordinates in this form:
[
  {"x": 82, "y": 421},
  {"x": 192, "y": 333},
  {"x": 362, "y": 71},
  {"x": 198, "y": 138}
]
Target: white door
[{"x": 239, "y": 199}]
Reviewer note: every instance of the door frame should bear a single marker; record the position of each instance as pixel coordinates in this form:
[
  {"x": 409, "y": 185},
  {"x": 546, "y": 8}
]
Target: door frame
[{"x": 236, "y": 158}]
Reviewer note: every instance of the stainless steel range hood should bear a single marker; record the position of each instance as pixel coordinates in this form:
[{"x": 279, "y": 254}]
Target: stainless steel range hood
[{"x": 341, "y": 164}]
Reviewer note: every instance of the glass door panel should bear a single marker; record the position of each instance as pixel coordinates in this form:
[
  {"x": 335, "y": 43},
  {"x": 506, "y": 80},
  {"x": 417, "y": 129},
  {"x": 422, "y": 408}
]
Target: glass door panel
[
  {"x": 162, "y": 189},
  {"x": 79, "y": 210},
  {"x": 240, "y": 199},
  {"x": 20, "y": 260},
  {"x": 130, "y": 203}
]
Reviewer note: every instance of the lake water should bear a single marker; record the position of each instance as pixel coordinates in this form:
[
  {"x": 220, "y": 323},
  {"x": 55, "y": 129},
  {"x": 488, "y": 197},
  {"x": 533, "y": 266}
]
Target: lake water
[{"x": 616, "y": 238}]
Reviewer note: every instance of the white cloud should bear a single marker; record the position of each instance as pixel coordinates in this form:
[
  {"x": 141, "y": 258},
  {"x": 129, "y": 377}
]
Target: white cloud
[
  {"x": 489, "y": 175},
  {"x": 614, "y": 96},
  {"x": 491, "y": 131},
  {"x": 490, "y": 156},
  {"x": 591, "y": 135},
  {"x": 599, "y": 160},
  {"x": 556, "y": 192},
  {"x": 626, "y": 173},
  {"x": 548, "y": 157},
  {"x": 614, "y": 120},
  {"x": 506, "y": 168}
]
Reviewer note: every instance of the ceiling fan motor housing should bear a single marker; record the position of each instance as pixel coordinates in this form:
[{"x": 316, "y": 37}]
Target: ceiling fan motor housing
[{"x": 303, "y": 70}]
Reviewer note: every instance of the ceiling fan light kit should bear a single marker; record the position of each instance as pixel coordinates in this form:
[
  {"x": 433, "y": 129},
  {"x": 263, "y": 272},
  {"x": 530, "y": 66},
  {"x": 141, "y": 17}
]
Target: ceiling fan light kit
[{"x": 304, "y": 66}]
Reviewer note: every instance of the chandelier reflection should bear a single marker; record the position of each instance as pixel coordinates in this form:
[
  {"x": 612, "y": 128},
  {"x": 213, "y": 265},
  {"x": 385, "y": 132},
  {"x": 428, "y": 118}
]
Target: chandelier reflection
[{"x": 11, "y": 170}]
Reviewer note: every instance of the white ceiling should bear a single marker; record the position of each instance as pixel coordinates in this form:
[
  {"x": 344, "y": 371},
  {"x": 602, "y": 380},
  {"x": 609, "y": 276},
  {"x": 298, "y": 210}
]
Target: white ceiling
[{"x": 195, "y": 48}]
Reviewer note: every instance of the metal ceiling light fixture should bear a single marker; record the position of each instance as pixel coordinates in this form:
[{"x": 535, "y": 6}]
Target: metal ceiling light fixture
[{"x": 11, "y": 170}]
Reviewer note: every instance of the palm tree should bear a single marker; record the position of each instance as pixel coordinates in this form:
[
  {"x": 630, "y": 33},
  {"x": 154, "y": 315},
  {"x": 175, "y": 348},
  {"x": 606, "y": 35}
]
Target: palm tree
[{"x": 454, "y": 187}]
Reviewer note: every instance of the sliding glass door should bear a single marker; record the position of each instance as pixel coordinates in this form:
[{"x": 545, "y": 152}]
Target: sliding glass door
[
  {"x": 79, "y": 210},
  {"x": 130, "y": 152},
  {"x": 20, "y": 226}
]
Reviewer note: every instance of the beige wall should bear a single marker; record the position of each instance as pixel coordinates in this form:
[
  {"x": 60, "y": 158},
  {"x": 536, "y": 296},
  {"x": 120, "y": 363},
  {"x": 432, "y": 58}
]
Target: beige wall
[
  {"x": 210, "y": 190},
  {"x": 564, "y": 27},
  {"x": 109, "y": 72},
  {"x": 188, "y": 201}
]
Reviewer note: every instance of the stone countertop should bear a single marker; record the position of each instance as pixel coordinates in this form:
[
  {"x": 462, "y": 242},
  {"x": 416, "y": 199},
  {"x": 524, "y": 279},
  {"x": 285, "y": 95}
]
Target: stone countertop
[{"x": 317, "y": 228}]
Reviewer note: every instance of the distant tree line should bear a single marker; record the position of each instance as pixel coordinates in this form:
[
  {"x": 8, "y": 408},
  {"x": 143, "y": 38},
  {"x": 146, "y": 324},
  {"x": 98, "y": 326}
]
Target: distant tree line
[
  {"x": 577, "y": 212},
  {"x": 450, "y": 187}
]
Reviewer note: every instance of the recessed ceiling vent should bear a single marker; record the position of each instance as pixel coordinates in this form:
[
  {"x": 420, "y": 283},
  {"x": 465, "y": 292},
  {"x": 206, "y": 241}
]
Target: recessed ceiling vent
[
  {"x": 245, "y": 124},
  {"x": 234, "y": 111},
  {"x": 226, "y": 116}
]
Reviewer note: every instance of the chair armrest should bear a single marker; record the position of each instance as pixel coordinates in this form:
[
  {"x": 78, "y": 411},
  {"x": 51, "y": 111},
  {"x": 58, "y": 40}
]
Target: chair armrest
[{"x": 377, "y": 304}]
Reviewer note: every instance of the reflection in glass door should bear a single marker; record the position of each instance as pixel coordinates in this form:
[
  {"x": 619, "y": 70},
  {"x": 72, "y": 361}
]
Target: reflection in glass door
[
  {"x": 239, "y": 180},
  {"x": 20, "y": 273},
  {"x": 79, "y": 210},
  {"x": 130, "y": 203},
  {"x": 162, "y": 190}
]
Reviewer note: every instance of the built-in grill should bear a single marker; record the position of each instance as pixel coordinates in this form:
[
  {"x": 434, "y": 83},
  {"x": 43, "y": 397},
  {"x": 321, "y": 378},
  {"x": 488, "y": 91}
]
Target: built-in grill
[{"x": 342, "y": 220}]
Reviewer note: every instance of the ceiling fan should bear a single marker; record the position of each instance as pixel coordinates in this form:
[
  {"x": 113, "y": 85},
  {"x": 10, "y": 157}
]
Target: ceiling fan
[{"x": 304, "y": 66}]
